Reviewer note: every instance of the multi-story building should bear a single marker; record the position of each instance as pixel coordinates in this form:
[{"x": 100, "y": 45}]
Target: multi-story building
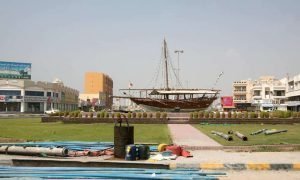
[
  {"x": 293, "y": 93},
  {"x": 242, "y": 94},
  {"x": 19, "y": 95},
  {"x": 266, "y": 93},
  {"x": 98, "y": 89}
]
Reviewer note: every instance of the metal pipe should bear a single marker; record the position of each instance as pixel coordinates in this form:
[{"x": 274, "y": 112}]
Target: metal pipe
[
  {"x": 3, "y": 149},
  {"x": 241, "y": 136},
  {"x": 270, "y": 132},
  {"x": 225, "y": 136},
  {"x": 22, "y": 150},
  {"x": 258, "y": 132}
]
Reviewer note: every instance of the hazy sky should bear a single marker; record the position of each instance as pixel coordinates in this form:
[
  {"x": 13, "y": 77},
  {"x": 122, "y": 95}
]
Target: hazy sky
[{"x": 64, "y": 39}]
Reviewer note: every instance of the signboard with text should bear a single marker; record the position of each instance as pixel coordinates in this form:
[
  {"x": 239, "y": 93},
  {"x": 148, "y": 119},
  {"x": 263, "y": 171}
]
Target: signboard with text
[{"x": 15, "y": 70}]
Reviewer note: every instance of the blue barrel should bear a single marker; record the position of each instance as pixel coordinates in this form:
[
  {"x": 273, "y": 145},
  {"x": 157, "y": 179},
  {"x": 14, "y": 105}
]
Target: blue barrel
[
  {"x": 143, "y": 152},
  {"x": 131, "y": 152}
]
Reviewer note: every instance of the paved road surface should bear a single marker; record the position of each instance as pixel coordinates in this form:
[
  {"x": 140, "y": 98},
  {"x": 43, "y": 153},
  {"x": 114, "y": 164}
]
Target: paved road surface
[{"x": 185, "y": 134}]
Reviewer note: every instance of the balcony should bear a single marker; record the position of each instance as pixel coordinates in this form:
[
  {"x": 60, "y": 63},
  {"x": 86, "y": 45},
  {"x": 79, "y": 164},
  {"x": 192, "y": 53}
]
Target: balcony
[
  {"x": 239, "y": 92},
  {"x": 256, "y": 97}
]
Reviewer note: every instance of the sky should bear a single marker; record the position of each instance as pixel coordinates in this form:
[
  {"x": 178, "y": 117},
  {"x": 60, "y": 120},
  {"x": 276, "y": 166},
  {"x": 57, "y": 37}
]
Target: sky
[{"x": 66, "y": 38}]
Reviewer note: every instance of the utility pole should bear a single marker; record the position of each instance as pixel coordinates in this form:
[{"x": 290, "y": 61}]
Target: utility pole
[{"x": 178, "y": 79}]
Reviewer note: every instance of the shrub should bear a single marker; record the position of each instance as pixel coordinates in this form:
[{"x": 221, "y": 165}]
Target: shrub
[
  {"x": 164, "y": 115},
  {"x": 266, "y": 115},
  {"x": 91, "y": 114},
  {"x": 298, "y": 114},
  {"x": 139, "y": 115},
  {"x": 201, "y": 114},
  {"x": 113, "y": 115},
  {"x": 253, "y": 115},
  {"x": 66, "y": 114},
  {"x": 218, "y": 115},
  {"x": 229, "y": 114},
  {"x": 145, "y": 115},
  {"x": 234, "y": 115},
  {"x": 191, "y": 115},
  {"x": 106, "y": 114},
  {"x": 157, "y": 115},
  {"x": 206, "y": 114},
  {"x": 129, "y": 115},
  {"x": 150, "y": 115},
  {"x": 86, "y": 115},
  {"x": 246, "y": 115},
  {"x": 134, "y": 114},
  {"x": 287, "y": 114},
  {"x": 71, "y": 114},
  {"x": 294, "y": 114},
  {"x": 195, "y": 115},
  {"x": 80, "y": 115}
]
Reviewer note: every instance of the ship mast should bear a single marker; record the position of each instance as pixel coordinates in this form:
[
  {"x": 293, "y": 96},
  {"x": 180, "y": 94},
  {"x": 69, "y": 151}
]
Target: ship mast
[{"x": 166, "y": 64}]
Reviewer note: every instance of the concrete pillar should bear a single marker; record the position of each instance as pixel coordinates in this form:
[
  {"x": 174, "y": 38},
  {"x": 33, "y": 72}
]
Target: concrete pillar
[{"x": 22, "y": 101}]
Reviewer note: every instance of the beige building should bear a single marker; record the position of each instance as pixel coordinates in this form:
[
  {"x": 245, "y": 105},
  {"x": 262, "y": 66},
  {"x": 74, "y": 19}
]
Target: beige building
[
  {"x": 98, "y": 89},
  {"x": 266, "y": 93}
]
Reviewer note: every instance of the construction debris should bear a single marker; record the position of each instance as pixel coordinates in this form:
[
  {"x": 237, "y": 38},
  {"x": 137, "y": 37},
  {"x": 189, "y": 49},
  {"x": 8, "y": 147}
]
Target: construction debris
[
  {"x": 225, "y": 136},
  {"x": 274, "y": 131},
  {"x": 258, "y": 132},
  {"x": 241, "y": 136}
]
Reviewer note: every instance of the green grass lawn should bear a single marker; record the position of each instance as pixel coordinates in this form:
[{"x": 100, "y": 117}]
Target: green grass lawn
[
  {"x": 290, "y": 137},
  {"x": 34, "y": 130}
]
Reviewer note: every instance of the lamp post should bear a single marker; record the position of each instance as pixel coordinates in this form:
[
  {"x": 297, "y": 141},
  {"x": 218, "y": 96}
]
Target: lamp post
[{"x": 178, "y": 52}]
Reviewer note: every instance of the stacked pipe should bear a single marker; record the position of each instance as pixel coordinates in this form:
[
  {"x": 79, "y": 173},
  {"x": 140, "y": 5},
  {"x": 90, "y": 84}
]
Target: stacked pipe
[
  {"x": 241, "y": 136},
  {"x": 225, "y": 136},
  {"x": 23, "y": 150},
  {"x": 103, "y": 173},
  {"x": 258, "y": 132},
  {"x": 274, "y": 131}
]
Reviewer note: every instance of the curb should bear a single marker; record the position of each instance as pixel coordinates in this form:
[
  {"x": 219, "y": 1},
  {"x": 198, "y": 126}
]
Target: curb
[{"x": 237, "y": 166}]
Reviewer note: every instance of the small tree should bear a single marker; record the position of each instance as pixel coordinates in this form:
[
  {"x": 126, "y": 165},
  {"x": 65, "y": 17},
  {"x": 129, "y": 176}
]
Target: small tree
[
  {"x": 98, "y": 115},
  {"x": 223, "y": 116},
  {"x": 139, "y": 115},
  {"x": 145, "y": 115},
  {"x": 266, "y": 115},
  {"x": 66, "y": 114},
  {"x": 118, "y": 115},
  {"x": 294, "y": 114},
  {"x": 164, "y": 115},
  {"x": 80, "y": 115},
  {"x": 113, "y": 115},
  {"x": 195, "y": 115},
  {"x": 234, "y": 115},
  {"x": 201, "y": 114},
  {"x": 102, "y": 114},
  {"x": 211, "y": 115},
  {"x": 191, "y": 115},
  {"x": 252, "y": 115},
  {"x": 106, "y": 114},
  {"x": 91, "y": 114},
  {"x": 287, "y": 114},
  {"x": 157, "y": 115},
  {"x": 206, "y": 114},
  {"x": 246, "y": 115},
  {"x": 134, "y": 114},
  {"x": 229, "y": 115},
  {"x": 129, "y": 115},
  {"x": 150, "y": 115},
  {"x": 218, "y": 115},
  {"x": 240, "y": 115}
]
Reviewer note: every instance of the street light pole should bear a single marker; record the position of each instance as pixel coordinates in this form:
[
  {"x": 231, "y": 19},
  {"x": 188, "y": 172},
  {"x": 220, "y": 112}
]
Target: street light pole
[{"x": 178, "y": 52}]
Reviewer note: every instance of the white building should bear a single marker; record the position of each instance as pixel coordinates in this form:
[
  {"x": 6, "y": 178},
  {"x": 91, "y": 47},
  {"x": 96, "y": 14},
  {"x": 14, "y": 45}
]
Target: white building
[
  {"x": 19, "y": 95},
  {"x": 293, "y": 93}
]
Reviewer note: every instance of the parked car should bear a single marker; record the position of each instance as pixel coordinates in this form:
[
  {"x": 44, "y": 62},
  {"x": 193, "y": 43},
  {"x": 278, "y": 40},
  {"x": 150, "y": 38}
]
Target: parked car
[{"x": 51, "y": 111}]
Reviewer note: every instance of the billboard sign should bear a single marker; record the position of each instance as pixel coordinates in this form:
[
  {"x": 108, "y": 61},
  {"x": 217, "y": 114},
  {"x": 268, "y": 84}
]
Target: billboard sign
[
  {"x": 15, "y": 70},
  {"x": 227, "y": 101}
]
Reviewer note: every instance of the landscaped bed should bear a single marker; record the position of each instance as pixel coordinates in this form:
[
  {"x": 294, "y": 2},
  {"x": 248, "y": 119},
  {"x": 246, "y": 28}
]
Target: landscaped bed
[
  {"x": 34, "y": 130},
  {"x": 292, "y": 136}
]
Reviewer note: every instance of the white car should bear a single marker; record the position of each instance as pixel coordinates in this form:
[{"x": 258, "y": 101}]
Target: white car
[{"x": 51, "y": 111}]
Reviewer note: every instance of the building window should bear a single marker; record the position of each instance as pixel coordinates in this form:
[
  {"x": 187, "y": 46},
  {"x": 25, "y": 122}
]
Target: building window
[
  {"x": 48, "y": 94},
  {"x": 10, "y": 93},
  {"x": 34, "y": 93}
]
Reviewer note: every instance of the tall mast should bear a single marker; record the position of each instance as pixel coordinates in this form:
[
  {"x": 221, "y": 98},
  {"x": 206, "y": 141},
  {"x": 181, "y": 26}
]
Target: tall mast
[{"x": 166, "y": 63}]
